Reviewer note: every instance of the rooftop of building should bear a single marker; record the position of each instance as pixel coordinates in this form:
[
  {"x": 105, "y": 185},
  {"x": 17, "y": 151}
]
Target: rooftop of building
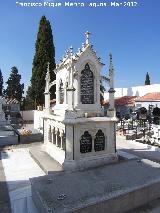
[
  {"x": 154, "y": 96},
  {"x": 125, "y": 100}
]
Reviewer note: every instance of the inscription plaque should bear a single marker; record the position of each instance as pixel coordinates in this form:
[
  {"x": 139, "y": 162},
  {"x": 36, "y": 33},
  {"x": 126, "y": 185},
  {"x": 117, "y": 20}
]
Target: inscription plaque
[
  {"x": 99, "y": 141},
  {"x": 86, "y": 142},
  {"x": 61, "y": 91},
  {"x": 87, "y": 86}
]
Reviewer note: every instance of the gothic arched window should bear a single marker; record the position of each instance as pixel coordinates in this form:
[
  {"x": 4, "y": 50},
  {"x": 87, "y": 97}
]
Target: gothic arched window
[
  {"x": 99, "y": 141},
  {"x": 86, "y": 142},
  {"x": 87, "y": 86}
]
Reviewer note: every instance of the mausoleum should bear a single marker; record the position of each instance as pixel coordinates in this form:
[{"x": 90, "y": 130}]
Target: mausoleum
[{"x": 76, "y": 132}]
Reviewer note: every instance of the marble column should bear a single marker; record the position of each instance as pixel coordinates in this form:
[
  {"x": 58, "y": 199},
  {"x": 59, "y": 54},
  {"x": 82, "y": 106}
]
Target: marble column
[
  {"x": 56, "y": 133},
  {"x": 52, "y": 135},
  {"x": 61, "y": 137}
]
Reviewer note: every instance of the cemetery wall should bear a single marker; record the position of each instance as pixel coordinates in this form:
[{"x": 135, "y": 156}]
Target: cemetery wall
[
  {"x": 147, "y": 103},
  {"x": 27, "y": 115},
  {"x": 38, "y": 119},
  {"x": 134, "y": 91}
]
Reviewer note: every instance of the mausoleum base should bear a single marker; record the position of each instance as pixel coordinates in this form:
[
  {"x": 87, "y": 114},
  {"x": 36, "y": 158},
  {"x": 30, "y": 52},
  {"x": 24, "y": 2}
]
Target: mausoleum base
[
  {"x": 79, "y": 164},
  {"x": 90, "y": 142},
  {"x": 113, "y": 188},
  {"x": 54, "y": 152},
  {"x": 90, "y": 162}
]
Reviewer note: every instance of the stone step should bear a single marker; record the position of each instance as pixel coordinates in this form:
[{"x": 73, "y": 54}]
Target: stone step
[
  {"x": 8, "y": 140},
  {"x": 48, "y": 164}
]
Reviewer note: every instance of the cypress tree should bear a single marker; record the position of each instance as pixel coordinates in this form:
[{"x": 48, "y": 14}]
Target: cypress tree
[
  {"x": 44, "y": 53},
  {"x": 147, "y": 81},
  {"x": 1, "y": 83},
  {"x": 14, "y": 87}
]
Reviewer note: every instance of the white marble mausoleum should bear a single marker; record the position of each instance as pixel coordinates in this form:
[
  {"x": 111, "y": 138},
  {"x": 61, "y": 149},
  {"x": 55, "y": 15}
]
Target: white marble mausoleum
[{"x": 76, "y": 133}]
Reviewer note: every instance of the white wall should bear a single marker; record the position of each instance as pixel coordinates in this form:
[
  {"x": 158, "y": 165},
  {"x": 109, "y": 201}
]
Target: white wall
[
  {"x": 146, "y": 104},
  {"x": 38, "y": 119},
  {"x": 134, "y": 91},
  {"x": 28, "y": 115}
]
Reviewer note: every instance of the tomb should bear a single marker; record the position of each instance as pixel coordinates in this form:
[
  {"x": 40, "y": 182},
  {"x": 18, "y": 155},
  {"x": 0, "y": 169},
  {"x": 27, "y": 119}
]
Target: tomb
[
  {"x": 79, "y": 136},
  {"x": 2, "y": 114},
  {"x": 76, "y": 132}
]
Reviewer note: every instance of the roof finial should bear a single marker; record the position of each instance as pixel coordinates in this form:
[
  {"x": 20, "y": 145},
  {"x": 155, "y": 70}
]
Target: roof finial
[
  {"x": 71, "y": 51},
  {"x": 67, "y": 53},
  {"x": 83, "y": 46},
  {"x": 79, "y": 50},
  {"x": 48, "y": 66},
  {"x": 87, "y": 37},
  {"x": 110, "y": 58},
  {"x": 111, "y": 69}
]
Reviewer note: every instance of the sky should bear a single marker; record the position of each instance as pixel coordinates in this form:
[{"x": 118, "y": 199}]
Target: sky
[{"x": 131, "y": 34}]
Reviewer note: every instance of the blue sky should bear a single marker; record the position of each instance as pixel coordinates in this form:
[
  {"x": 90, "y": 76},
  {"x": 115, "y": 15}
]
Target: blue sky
[{"x": 131, "y": 34}]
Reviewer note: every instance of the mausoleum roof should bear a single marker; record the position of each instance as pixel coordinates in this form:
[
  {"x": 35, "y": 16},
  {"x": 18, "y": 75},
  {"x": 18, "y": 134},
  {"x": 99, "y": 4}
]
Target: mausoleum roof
[{"x": 75, "y": 56}]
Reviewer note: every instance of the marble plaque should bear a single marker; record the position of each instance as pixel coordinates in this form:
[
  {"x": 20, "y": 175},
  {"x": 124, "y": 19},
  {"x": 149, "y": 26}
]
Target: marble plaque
[
  {"x": 99, "y": 141},
  {"x": 86, "y": 142},
  {"x": 87, "y": 86}
]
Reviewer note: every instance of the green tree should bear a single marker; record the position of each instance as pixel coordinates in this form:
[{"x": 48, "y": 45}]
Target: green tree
[
  {"x": 44, "y": 53},
  {"x": 29, "y": 103},
  {"x": 14, "y": 87},
  {"x": 1, "y": 83},
  {"x": 147, "y": 81}
]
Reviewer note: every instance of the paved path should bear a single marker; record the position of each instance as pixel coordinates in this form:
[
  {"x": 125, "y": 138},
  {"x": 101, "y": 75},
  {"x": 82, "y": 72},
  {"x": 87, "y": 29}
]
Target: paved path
[
  {"x": 142, "y": 151},
  {"x": 18, "y": 168},
  {"x": 139, "y": 149}
]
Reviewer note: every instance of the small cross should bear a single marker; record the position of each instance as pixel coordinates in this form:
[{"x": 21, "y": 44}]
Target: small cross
[{"x": 87, "y": 37}]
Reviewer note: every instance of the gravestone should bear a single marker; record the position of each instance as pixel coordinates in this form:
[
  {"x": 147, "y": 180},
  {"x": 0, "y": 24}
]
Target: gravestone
[{"x": 2, "y": 114}]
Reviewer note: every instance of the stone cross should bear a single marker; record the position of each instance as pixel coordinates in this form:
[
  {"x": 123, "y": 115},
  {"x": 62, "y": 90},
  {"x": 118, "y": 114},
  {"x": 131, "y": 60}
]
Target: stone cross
[{"x": 87, "y": 37}]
